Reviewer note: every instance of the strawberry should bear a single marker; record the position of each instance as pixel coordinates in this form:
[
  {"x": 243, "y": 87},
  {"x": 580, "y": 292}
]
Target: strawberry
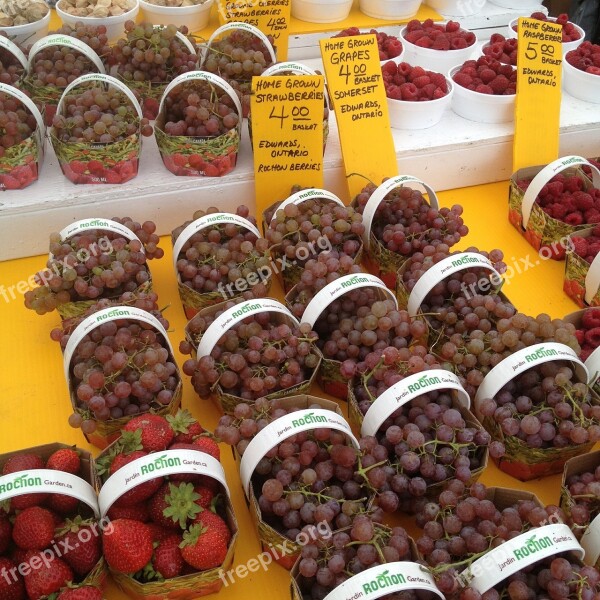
[
  {"x": 185, "y": 427},
  {"x": 81, "y": 544},
  {"x": 63, "y": 504},
  {"x": 211, "y": 520},
  {"x": 85, "y": 592},
  {"x": 206, "y": 496},
  {"x": 66, "y": 460},
  {"x": 174, "y": 504},
  {"x": 137, "y": 512},
  {"x": 5, "y": 534},
  {"x": 24, "y": 462},
  {"x": 141, "y": 492},
  {"x": 129, "y": 547},
  {"x": 47, "y": 577},
  {"x": 33, "y": 528},
  {"x": 11, "y": 582},
  {"x": 203, "y": 548},
  {"x": 208, "y": 445},
  {"x": 159, "y": 533},
  {"x": 167, "y": 560},
  {"x": 156, "y": 431}
]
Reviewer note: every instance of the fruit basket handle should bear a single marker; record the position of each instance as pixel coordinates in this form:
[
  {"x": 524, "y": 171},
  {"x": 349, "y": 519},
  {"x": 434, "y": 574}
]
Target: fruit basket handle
[
  {"x": 304, "y": 195},
  {"x": 56, "y": 39},
  {"x": 295, "y": 67}
]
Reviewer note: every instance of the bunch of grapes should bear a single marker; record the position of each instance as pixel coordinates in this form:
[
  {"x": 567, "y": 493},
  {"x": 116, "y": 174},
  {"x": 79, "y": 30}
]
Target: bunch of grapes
[
  {"x": 98, "y": 115},
  {"x": 318, "y": 272},
  {"x": 223, "y": 255},
  {"x": 119, "y": 369},
  {"x": 545, "y": 407},
  {"x": 582, "y": 499},
  {"x": 302, "y": 231},
  {"x": 326, "y": 564},
  {"x": 16, "y": 123},
  {"x": 237, "y": 57},
  {"x": 95, "y": 263},
  {"x": 11, "y": 69},
  {"x": 465, "y": 524},
  {"x": 151, "y": 56},
  {"x": 199, "y": 109},
  {"x": 257, "y": 357},
  {"x": 92, "y": 35},
  {"x": 308, "y": 478}
]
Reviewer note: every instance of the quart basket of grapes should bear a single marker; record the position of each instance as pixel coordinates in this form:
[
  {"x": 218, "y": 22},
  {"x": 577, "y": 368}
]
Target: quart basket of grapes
[
  {"x": 22, "y": 129},
  {"x": 118, "y": 363},
  {"x": 97, "y": 131},
  {"x": 243, "y": 350},
  {"x": 538, "y": 403},
  {"x": 199, "y": 125},
  {"x": 550, "y": 202}
]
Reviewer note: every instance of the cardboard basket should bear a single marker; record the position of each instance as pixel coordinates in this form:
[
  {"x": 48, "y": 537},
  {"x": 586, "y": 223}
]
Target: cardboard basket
[
  {"x": 378, "y": 259},
  {"x": 194, "y": 156},
  {"x": 115, "y": 162},
  {"x": 520, "y": 461},
  {"x": 47, "y": 97},
  {"x": 163, "y": 464},
  {"x": 543, "y": 232},
  {"x": 582, "y": 279},
  {"x": 204, "y": 344},
  {"x": 65, "y": 481},
  {"x": 282, "y": 428},
  {"x": 110, "y": 430},
  {"x": 330, "y": 377},
  {"x": 21, "y": 163},
  {"x": 194, "y": 301}
]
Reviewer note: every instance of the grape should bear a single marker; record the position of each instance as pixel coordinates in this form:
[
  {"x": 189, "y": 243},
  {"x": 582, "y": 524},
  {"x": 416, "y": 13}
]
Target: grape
[
  {"x": 582, "y": 492},
  {"x": 92, "y": 35},
  {"x": 11, "y": 70},
  {"x": 16, "y": 124}
]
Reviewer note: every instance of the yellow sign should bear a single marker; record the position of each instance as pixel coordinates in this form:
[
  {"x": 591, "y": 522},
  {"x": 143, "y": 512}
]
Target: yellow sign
[
  {"x": 287, "y": 135},
  {"x": 356, "y": 88},
  {"x": 537, "y": 111},
  {"x": 272, "y": 17}
]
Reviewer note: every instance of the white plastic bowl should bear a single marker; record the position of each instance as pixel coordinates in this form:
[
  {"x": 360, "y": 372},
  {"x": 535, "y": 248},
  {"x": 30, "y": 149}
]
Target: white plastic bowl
[
  {"x": 440, "y": 61},
  {"x": 517, "y": 4},
  {"x": 321, "y": 11},
  {"x": 115, "y": 26},
  {"x": 194, "y": 17},
  {"x": 482, "y": 108},
  {"x": 419, "y": 115},
  {"x": 581, "y": 85},
  {"x": 567, "y": 46},
  {"x": 26, "y": 35},
  {"x": 457, "y": 8},
  {"x": 390, "y": 10}
]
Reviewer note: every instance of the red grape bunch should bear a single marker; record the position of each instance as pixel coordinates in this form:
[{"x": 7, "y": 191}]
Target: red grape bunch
[
  {"x": 223, "y": 255},
  {"x": 11, "y": 68},
  {"x": 95, "y": 263},
  {"x": 582, "y": 499},
  {"x": 16, "y": 123},
  {"x": 92, "y": 35},
  {"x": 253, "y": 358}
]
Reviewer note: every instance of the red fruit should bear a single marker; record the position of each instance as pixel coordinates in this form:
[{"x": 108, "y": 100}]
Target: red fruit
[
  {"x": 80, "y": 545},
  {"x": 129, "y": 546},
  {"x": 591, "y": 318},
  {"x": 159, "y": 533},
  {"x": 212, "y": 521},
  {"x": 203, "y": 548},
  {"x": 167, "y": 560},
  {"x": 137, "y": 512},
  {"x": 184, "y": 426},
  {"x": 575, "y": 218},
  {"x": 9, "y": 182},
  {"x": 33, "y": 528},
  {"x": 211, "y": 171},
  {"x": 174, "y": 505},
  {"x": 48, "y": 578},
  {"x": 11, "y": 582},
  {"x": 156, "y": 431},
  {"x": 208, "y": 445},
  {"x": 65, "y": 459},
  {"x": 63, "y": 504},
  {"x": 95, "y": 167},
  {"x": 24, "y": 462},
  {"x": 580, "y": 246},
  {"x": 112, "y": 177},
  {"x": 141, "y": 492},
  {"x": 85, "y": 592},
  {"x": 592, "y": 337},
  {"x": 5, "y": 534}
]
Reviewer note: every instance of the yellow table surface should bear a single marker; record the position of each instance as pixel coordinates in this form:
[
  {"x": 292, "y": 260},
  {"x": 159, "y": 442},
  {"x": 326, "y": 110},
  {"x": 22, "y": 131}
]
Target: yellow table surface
[{"x": 35, "y": 404}]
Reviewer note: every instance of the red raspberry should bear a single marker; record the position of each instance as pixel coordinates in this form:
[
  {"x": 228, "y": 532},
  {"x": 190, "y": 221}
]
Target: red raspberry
[
  {"x": 389, "y": 68},
  {"x": 461, "y": 43},
  {"x": 421, "y": 82},
  {"x": 575, "y": 218},
  {"x": 409, "y": 91},
  {"x": 414, "y": 25},
  {"x": 404, "y": 69},
  {"x": 452, "y": 26},
  {"x": 463, "y": 79},
  {"x": 572, "y": 184},
  {"x": 593, "y": 70},
  {"x": 487, "y": 75},
  {"x": 592, "y": 337},
  {"x": 591, "y": 318},
  {"x": 497, "y": 37},
  {"x": 484, "y": 89},
  {"x": 424, "y": 42},
  {"x": 559, "y": 211},
  {"x": 441, "y": 43},
  {"x": 499, "y": 85},
  {"x": 580, "y": 246},
  {"x": 583, "y": 201},
  {"x": 554, "y": 188},
  {"x": 417, "y": 72},
  {"x": 540, "y": 16}
]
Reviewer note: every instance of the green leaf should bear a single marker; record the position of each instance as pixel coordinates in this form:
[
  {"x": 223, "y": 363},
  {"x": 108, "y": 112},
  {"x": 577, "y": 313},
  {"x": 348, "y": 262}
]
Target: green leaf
[{"x": 181, "y": 503}]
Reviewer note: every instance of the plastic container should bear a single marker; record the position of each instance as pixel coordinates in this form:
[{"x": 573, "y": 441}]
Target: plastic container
[
  {"x": 482, "y": 108},
  {"x": 390, "y": 10},
  {"x": 115, "y": 26},
  {"x": 440, "y": 61},
  {"x": 581, "y": 85},
  {"x": 566, "y": 46},
  {"x": 27, "y": 34},
  {"x": 419, "y": 115},
  {"x": 194, "y": 18},
  {"x": 457, "y": 8},
  {"x": 320, "y": 11}
]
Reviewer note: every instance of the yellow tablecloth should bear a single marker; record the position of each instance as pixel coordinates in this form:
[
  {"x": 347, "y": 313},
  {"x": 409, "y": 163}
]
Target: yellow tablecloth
[{"x": 35, "y": 405}]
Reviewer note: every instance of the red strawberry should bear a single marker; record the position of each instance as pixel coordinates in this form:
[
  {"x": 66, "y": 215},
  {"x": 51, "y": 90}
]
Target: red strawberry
[
  {"x": 156, "y": 431},
  {"x": 66, "y": 460},
  {"x": 47, "y": 577},
  {"x": 185, "y": 427},
  {"x": 5, "y": 534},
  {"x": 63, "y": 504},
  {"x": 11, "y": 582},
  {"x": 175, "y": 504},
  {"x": 137, "y": 512},
  {"x": 208, "y": 445},
  {"x": 129, "y": 547},
  {"x": 85, "y": 592},
  {"x": 33, "y": 528},
  {"x": 81, "y": 545},
  {"x": 24, "y": 462},
  {"x": 203, "y": 548},
  {"x": 159, "y": 533},
  {"x": 206, "y": 496},
  {"x": 167, "y": 560},
  {"x": 141, "y": 492},
  {"x": 212, "y": 521}
]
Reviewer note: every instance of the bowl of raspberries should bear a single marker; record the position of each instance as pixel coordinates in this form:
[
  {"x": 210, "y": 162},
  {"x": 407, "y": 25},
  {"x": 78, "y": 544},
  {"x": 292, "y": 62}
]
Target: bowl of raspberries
[
  {"x": 437, "y": 46},
  {"x": 417, "y": 98},
  {"x": 485, "y": 90},
  {"x": 502, "y": 49},
  {"x": 581, "y": 72}
]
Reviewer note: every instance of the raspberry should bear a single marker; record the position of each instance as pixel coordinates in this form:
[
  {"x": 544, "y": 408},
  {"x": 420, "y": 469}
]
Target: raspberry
[
  {"x": 575, "y": 218},
  {"x": 404, "y": 69},
  {"x": 452, "y": 26},
  {"x": 441, "y": 43},
  {"x": 409, "y": 91},
  {"x": 499, "y": 84},
  {"x": 487, "y": 75},
  {"x": 580, "y": 246},
  {"x": 573, "y": 184},
  {"x": 393, "y": 92},
  {"x": 592, "y": 337},
  {"x": 484, "y": 89},
  {"x": 428, "y": 91},
  {"x": 389, "y": 67},
  {"x": 540, "y": 16},
  {"x": 424, "y": 42},
  {"x": 463, "y": 79},
  {"x": 591, "y": 318},
  {"x": 593, "y": 70},
  {"x": 422, "y": 81},
  {"x": 559, "y": 211},
  {"x": 583, "y": 201},
  {"x": 460, "y": 43},
  {"x": 497, "y": 37}
]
